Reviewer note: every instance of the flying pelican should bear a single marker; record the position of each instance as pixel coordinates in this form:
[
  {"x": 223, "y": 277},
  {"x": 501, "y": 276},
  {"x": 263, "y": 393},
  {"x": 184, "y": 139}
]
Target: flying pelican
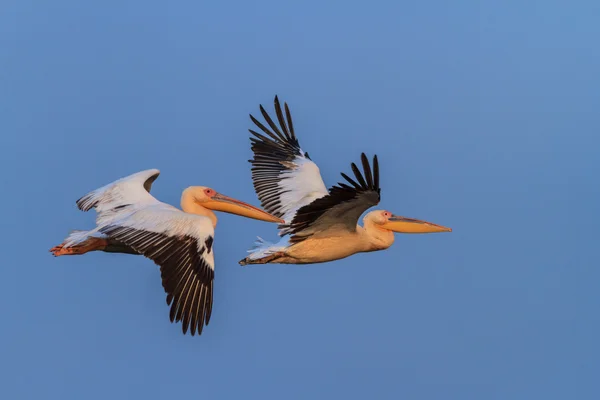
[
  {"x": 130, "y": 220},
  {"x": 320, "y": 225}
]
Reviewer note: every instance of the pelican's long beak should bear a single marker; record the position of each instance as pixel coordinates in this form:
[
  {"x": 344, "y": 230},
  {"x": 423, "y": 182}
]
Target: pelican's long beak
[
  {"x": 226, "y": 204},
  {"x": 411, "y": 225}
]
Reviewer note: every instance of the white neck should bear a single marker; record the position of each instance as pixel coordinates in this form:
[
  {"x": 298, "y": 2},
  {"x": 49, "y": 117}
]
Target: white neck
[
  {"x": 190, "y": 205},
  {"x": 377, "y": 237}
]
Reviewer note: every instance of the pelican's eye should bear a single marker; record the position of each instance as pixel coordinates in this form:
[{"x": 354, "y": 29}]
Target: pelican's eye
[{"x": 209, "y": 192}]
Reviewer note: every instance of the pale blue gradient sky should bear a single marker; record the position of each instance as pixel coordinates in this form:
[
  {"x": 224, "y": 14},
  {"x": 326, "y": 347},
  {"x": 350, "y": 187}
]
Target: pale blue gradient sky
[{"x": 485, "y": 118}]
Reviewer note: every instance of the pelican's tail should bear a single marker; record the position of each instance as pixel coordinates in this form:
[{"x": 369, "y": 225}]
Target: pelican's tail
[
  {"x": 264, "y": 251},
  {"x": 76, "y": 237}
]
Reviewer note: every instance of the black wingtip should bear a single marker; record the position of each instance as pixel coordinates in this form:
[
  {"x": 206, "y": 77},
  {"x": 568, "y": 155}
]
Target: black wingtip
[
  {"x": 376, "y": 171},
  {"x": 262, "y": 109},
  {"x": 367, "y": 170},
  {"x": 281, "y": 119},
  {"x": 350, "y": 180},
  {"x": 359, "y": 176},
  {"x": 368, "y": 178}
]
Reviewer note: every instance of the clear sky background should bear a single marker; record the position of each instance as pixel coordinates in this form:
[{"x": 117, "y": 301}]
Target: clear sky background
[{"x": 484, "y": 115}]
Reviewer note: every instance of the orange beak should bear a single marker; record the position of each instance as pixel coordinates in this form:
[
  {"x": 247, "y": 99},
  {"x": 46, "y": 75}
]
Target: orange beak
[
  {"x": 411, "y": 225},
  {"x": 226, "y": 204}
]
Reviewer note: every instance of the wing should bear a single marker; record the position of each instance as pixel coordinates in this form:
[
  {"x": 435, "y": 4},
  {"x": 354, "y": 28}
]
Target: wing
[
  {"x": 341, "y": 208},
  {"x": 284, "y": 176},
  {"x": 115, "y": 198},
  {"x": 182, "y": 245}
]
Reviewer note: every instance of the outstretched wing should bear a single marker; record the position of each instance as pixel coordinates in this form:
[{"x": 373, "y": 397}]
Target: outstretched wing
[
  {"x": 118, "y": 196},
  {"x": 341, "y": 208},
  {"x": 182, "y": 245},
  {"x": 284, "y": 176}
]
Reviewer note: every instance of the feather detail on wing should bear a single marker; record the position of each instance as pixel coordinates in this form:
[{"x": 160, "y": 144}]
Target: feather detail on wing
[
  {"x": 341, "y": 208},
  {"x": 119, "y": 196},
  {"x": 182, "y": 245},
  {"x": 284, "y": 176}
]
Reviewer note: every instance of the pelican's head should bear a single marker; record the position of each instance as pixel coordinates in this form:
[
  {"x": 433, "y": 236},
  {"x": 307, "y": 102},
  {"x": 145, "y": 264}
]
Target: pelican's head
[
  {"x": 388, "y": 221},
  {"x": 212, "y": 200}
]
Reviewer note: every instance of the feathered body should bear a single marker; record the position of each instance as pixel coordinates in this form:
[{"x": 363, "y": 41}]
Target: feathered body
[
  {"x": 130, "y": 220},
  {"x": 320, "y": 225}
]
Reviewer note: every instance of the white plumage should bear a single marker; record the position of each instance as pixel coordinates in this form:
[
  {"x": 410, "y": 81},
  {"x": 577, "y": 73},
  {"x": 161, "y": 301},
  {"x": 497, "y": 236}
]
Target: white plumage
[
  {"x": 320, "y": 225},
  {"x": 131, "y": 220},
  {"x": 111, "y": 199},
  {"x": 289, "y": 185},
  {"x": 179, "y": 242},
  {"x": 300, "y": 184}
]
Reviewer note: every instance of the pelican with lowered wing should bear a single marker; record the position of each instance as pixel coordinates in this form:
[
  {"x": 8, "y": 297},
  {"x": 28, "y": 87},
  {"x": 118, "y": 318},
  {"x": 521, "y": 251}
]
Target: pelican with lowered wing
[
  {"x": 320, "y": 225},
  {"x": 130, "y": 220}
]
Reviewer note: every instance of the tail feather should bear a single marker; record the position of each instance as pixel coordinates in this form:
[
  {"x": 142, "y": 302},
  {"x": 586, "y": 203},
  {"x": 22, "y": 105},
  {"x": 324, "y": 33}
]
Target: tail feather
[
  {"x": 262, "y": 260},
  {"x": 80, "y": 242},
  {"x": 259, "y": 244},
  {"x": 77, "y": 237},
  {"x": 263, "y": 250}
]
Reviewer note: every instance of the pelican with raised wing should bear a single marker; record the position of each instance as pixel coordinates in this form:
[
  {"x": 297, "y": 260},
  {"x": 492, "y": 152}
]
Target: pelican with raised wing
[
  {"x": 130, "y": 220},
  {"x": 320, "y": 225}
]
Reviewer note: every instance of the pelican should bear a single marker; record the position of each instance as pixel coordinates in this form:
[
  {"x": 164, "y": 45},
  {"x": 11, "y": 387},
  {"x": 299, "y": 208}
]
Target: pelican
[
  {"x": 320, "y": 225},
  {"x": 130, "y": 220}
]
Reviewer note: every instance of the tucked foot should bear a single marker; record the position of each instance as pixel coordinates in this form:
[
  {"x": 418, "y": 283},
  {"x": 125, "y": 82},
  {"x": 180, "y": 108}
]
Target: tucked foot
[
  {"x": 90, "y": 244},
  {"x": 60, "y": 250},
  {"x": 263, "y": 260}
]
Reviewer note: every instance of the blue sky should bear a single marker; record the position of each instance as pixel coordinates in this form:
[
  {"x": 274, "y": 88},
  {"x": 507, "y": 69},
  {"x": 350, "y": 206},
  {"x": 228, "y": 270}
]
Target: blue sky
[{"x": 484, "y": 116}]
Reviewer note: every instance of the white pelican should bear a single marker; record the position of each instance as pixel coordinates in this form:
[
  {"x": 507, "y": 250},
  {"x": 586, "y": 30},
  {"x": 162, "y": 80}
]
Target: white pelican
[
  {"x": 131, "y": 220},
  {"x": 320, "y": 225}
]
